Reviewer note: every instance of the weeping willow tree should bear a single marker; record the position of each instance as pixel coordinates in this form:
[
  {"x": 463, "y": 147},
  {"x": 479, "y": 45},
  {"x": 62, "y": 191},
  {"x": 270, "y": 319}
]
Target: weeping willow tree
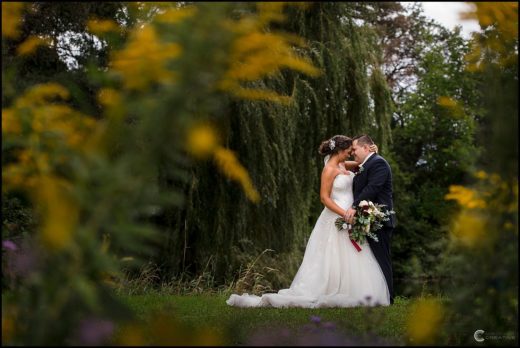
[{"x": 219, "y": 229}]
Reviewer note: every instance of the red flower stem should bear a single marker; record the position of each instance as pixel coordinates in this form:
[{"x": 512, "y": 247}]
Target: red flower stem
[{"x": 356, "y": 245}]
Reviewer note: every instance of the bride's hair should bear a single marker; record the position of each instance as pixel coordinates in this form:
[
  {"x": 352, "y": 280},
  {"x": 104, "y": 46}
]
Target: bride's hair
[{"x": 334, "y": 145}]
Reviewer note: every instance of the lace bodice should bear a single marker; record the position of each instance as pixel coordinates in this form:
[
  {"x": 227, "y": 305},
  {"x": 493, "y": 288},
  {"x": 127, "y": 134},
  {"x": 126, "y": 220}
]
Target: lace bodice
[{"x": 342, "y": 190}]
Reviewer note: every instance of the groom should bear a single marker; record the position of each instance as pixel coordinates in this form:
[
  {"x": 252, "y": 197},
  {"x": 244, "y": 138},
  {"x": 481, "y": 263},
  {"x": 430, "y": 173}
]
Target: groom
[{"x": 373, "y": 182}]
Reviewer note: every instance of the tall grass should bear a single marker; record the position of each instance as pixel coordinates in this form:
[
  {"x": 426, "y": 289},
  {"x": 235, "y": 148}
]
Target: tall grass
[{"x": 255, "y": 276}]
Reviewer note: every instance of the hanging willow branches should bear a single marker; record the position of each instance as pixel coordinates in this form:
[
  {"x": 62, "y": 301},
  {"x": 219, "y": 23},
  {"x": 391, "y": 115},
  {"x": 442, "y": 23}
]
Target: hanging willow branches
[{"x": 277, "y": 143}]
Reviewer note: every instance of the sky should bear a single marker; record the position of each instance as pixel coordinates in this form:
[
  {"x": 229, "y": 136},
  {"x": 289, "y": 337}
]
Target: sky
[{"x": 447, "y": 14}]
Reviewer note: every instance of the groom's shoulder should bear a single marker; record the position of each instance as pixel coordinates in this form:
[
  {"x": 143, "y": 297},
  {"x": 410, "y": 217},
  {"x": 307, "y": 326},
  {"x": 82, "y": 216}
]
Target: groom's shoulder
[{"x": 380, "y": 159}]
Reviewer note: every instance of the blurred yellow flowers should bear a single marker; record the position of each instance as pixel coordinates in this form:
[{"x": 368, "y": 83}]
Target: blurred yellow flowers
[
  {"x": 31, "y": 44},
  {"x": 257, "y": 53},
  {"x": 175, "y": 15},
  {"x": 504, "y": 14},
  {"x": 11, "y": 13},
  {"x": 166, "y": 330},
  {"x": 50, "y": 129},
  {"x": 143, "y": 61},
  {"x": 424, "y": 321},
  {"x": 452, "y": 105},
  {"x": 502, "y": 18},
  {"x": 10, "y": 123},
  {"x": 60, "y": 212},
  {"x": 202, "y": 142},
  {"x": 101, "y": 26},
  {"x": 470, "y": 229},
  {"x": 465, "y": 197},
  {"x": 42, "y": 94},
  {"x": 228, "y": 163}
]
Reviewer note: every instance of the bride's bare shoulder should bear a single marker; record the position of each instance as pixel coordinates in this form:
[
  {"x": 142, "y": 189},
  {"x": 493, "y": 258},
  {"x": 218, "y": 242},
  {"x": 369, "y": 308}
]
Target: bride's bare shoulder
[{"x": 328, "y": 170}]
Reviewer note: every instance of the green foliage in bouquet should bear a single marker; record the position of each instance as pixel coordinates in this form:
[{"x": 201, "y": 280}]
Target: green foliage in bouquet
[{"x": 369, "y": 218}]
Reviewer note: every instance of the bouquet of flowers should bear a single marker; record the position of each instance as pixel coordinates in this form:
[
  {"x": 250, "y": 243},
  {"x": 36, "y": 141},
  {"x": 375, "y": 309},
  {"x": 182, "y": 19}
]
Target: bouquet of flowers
[{"x": 369, "y": 217}]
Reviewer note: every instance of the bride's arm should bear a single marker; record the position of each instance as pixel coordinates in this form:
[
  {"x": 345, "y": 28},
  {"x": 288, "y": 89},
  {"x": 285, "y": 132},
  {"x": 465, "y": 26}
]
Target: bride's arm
[
  {"x": 349, "y": 165},
  {"x": 327, "y": 178}
]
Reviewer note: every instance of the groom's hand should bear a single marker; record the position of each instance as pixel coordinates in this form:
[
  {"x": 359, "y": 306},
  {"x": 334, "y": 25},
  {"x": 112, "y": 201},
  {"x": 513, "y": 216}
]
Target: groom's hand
[{"x": 349, "y": 215}]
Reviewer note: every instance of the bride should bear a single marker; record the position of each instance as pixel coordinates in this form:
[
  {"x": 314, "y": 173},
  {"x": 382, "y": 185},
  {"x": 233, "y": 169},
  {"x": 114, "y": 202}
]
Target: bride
[{"x": 333, "y": 273}]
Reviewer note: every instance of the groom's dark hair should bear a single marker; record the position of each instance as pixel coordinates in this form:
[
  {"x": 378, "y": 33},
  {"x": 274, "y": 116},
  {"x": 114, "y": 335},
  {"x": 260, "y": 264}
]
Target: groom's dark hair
[{"x": 363, "y": 139}]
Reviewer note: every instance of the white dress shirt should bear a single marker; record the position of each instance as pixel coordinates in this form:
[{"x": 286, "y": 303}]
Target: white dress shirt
[{"x": 366, "y": 158}]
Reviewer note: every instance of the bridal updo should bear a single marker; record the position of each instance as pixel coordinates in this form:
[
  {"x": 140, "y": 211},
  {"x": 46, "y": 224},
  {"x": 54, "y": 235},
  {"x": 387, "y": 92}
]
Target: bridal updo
[{"x": 334, "y": 145}]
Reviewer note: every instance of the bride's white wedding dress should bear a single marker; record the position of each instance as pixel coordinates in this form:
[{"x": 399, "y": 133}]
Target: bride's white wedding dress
[{"x": 333, "y": 273}]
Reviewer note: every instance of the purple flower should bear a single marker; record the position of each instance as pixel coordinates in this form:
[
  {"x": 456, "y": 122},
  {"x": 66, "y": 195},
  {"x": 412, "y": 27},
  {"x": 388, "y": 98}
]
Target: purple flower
[
  {"x": 329, "y": 325},
  {"x": 7, "y": 244},
  {"x": 21, "y": 260},
  {"x": 315, "y": 319},
  {"x": 95, "y": 331},
  {"x": 325, "y": 334}
]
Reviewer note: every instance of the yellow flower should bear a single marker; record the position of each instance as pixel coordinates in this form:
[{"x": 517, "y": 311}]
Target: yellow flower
[
  {"x": 30, "y": 44},
  {"x": 7, "y": 329},
  {"x": 130, "y": 335},
  {"x": 256, "y": 53},
  {"x": 109, "y": 97},
  {"x": 470, "y": 229},
  {"x": 465, "y": 197},
  {"x": 60, "y": 212},
  {"x": 446, "y": 101},
  {"x": 12, "y": 177},
  {"x": 113, "y": 103},
  {"x": 505, "y": 14},
  {"x": 451, "y": 104},
  {"x": 207, "y": 337},
  {"x": 11, "y": 15},
  {"x": 41, "y": 94},
  {"x": 143, "y": 60},
  {"x": 260, "y": 94},
  {"x": 202, "y": 141},
  {"x": 175, "y": 15},
  {"x": 10, "y": 122},
  {"x": 424, "y": 321},
  {"x": 101, "y": 26},
  {"x": 229, "y": 165},
  {"x": 481, "y": 175},
  {"x": 270, "y": 12},
  {"x": 503, "y": 17}
]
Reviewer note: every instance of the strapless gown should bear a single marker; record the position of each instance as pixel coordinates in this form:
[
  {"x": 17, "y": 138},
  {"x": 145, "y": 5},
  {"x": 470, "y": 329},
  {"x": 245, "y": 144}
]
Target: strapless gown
[{"x": 332, "y": 273}]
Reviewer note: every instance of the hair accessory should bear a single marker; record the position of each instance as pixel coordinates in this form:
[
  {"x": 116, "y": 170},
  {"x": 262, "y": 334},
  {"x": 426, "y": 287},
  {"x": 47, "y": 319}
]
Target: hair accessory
[{"x": 332, "y": 144}]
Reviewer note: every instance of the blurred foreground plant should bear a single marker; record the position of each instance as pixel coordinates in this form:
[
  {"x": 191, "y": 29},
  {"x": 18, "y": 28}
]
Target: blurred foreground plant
[
  {"x": 482, "y": 258},
  {"x": 95, "y": 181}
]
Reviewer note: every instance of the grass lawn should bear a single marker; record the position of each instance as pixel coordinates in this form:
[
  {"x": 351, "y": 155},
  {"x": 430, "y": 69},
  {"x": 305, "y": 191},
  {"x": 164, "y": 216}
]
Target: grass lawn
[{"x": 174, "y": 319}]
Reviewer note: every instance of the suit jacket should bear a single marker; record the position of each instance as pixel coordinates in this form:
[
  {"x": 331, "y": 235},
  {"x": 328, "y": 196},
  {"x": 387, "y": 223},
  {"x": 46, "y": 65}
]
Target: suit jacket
[{"x": 374, "y": 183}]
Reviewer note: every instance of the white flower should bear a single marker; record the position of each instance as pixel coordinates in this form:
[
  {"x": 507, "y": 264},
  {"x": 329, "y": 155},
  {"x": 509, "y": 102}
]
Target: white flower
[
  {"x": 363, "y": 203},
  {"x": 344, "y": 226}
]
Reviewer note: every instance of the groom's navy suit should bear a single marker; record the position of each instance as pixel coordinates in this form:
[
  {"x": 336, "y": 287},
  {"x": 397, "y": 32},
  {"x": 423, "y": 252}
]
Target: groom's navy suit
[{"x": 374, "y": 183}]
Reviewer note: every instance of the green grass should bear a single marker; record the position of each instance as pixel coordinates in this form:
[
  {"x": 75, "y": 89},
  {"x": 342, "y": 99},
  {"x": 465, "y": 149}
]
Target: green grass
[{"x": 211, "y": 313}]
